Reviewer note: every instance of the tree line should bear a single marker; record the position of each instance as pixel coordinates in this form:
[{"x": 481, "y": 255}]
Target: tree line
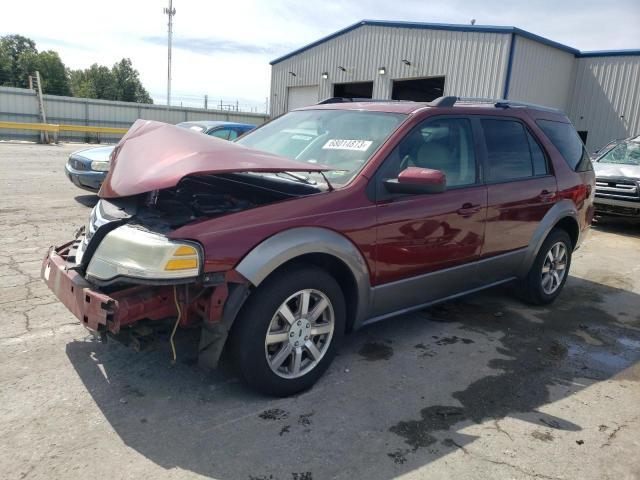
[{"x": 20, "y": 58}]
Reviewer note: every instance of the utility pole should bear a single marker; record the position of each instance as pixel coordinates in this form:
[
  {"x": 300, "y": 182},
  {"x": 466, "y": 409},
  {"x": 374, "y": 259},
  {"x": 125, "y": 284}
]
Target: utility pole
[
  {"x": 35, "y": 83},
  {"x": 170, "y": 12}
]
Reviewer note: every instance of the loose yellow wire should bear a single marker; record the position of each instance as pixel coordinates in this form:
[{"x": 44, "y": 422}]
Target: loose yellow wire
[{"x": 175, "y": 327}]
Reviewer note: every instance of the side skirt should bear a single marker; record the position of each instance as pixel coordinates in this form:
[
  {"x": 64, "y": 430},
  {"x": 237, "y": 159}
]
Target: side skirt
[
  {"x": 434, "y": 302},
  {"x": 435, "y": 287}
]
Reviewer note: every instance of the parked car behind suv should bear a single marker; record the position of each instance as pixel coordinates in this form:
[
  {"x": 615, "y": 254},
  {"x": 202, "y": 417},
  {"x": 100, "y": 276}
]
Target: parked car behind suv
[
  {"x": 326, "y": 219},
  {"x": 87, "y": 168},
  {"x": 617, "y": 170}
]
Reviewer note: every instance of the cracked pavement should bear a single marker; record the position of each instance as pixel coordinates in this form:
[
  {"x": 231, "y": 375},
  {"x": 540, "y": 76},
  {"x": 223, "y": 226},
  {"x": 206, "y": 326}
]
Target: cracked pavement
[{"x": 484, "y": 387}]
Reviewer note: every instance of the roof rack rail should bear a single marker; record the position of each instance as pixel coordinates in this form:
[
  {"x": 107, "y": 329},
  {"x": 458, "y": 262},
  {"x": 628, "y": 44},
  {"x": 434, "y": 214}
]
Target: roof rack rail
[
  {"x": 515, "y": 103},
  {"x": 444, "y": 101},
  {"x": 356, "y": 99},
  {"x": 450, "y": 101}
]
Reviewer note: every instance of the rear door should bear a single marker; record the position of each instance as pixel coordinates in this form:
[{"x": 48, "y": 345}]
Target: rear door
[{"x": 520, "y": 188}]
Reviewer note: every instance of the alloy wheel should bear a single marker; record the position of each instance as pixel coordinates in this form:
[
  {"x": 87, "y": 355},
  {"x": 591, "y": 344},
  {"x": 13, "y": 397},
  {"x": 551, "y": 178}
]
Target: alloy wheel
[
  {"x": 299, "y": 333},
  {"x": 554, "y": 268}
]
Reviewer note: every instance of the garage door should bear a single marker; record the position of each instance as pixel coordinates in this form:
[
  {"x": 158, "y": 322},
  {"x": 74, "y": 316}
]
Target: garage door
[{"x": 302, "y": 96}]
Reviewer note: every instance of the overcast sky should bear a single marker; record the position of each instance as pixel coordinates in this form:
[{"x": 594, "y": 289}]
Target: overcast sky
[{"x": 223, "y": 48}]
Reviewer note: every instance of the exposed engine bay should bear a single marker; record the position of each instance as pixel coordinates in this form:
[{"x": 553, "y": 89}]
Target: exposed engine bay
[{"x": 214, "y": 195}]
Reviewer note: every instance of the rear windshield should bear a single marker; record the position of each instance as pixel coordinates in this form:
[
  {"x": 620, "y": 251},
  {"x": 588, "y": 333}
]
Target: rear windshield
[
  {"x": 565, "y": 138},
  {"x": 340, "y": 139}
]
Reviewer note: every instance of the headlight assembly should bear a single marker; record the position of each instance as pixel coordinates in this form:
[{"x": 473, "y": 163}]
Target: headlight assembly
[
  {"x": 100, "y": 166},
  {"x": 130, "y": 252}
]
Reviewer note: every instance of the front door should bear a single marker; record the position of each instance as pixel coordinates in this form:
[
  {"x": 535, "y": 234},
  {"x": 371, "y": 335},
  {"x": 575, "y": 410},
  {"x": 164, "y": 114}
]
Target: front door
[{"x": 426, "y": 243}]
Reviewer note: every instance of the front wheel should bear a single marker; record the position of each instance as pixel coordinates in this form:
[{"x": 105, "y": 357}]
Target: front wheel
[
  {"x": 287, "y": 334},
  {"x": 549, "y": 271}
]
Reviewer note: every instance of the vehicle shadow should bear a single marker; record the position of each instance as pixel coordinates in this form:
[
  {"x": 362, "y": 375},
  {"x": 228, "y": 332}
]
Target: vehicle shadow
[
  {"x": 87, "y": 200},
  {"x": 396, "y": 398}
]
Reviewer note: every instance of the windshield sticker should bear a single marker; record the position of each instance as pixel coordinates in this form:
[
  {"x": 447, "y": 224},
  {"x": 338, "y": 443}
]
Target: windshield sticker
[{"x": 339, "y": 144}]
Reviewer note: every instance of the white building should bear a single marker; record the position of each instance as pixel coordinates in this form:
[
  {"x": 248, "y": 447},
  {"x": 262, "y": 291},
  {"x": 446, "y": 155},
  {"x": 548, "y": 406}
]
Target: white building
[{"x": 600, "y": 91}]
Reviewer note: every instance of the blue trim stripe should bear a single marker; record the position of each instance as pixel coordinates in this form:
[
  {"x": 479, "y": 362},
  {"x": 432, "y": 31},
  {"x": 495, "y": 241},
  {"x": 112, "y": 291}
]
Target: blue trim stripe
[
  {"x": 611, "y": 53},
  {"x": 458, "y": 28},
  {"x": 507, "y": 80}
]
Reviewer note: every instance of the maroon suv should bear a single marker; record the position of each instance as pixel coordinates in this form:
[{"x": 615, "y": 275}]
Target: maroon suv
[{"x": 324, "y": 220}]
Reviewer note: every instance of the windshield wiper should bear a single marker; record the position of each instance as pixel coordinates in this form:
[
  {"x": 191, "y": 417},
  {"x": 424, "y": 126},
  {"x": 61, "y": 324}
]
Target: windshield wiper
[
  {"x": 306, "y": 180},
  {"x": 331, "y": 189},
  {"x": 296, "y": 177}
]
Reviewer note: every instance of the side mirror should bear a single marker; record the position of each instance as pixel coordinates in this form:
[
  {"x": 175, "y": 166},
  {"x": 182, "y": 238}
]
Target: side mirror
[{"x": 416, "y": 180}]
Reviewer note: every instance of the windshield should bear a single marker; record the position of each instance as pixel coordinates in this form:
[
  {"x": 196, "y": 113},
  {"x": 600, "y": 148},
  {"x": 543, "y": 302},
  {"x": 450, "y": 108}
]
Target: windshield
[
  {"x": 627, "y": 153},
  {"x": 340, "y": 139}
]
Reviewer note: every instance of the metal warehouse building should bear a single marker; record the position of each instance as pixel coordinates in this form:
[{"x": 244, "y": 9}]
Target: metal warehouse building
[{"x": 600, "y": 91}]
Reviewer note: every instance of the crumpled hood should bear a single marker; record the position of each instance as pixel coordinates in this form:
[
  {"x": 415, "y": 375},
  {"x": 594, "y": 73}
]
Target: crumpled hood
[
  {"x": 616, "y": 170},
  {"x": 154, "y": 155}
]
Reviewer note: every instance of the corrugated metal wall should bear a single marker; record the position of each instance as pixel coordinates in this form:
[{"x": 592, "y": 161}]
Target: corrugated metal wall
[
  {"x": 606, "y": 98},
  {"x": 20, "y": 105},
  {"x": 474, "y": 63},
  {"x": 600, "y": 94},
  {"x": 541, "y": 74}
]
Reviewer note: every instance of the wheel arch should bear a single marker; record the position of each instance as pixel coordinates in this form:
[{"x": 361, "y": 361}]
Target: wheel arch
[
  {"x": 569, "y": 225},
  {"x": 322, "y": 247},
  {"x": 562, "y": 215}
]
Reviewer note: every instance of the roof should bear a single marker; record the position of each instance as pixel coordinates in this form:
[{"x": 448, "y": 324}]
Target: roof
[
  {"x": 382, "y": 106},
  {"x": 215, "y": 123},
  {"x": 462, "y": 105},
  {"x": 459, "y": 28}
]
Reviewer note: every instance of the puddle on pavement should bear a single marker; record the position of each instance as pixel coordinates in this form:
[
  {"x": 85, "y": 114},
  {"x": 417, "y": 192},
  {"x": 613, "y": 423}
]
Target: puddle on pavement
[{"x": 374, "y": 351}]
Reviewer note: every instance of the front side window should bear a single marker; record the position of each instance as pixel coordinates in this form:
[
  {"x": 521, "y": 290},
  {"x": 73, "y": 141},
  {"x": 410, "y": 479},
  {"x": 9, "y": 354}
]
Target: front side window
[
  {"x": 625, "y": 153},
  {"x": 444, "y": 144},
  {"x": 565, "y": 138},
  {"x": 508, "y": 153},
  {"x": 340, "y": 139}
]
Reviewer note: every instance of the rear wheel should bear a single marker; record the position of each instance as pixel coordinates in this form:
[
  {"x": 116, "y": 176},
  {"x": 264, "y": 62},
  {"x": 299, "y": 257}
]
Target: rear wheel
[
  {"x": 288, "y": 332},
  {"x": 549, "y": 271}
]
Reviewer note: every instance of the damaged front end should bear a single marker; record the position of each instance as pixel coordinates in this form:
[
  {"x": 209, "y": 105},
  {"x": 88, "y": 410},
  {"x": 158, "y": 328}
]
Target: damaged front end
[
  {"x": 123, "y": 275},
  {"x": 124, "y": 279}
]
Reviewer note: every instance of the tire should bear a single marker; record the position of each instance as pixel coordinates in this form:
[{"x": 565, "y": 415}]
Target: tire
[
  {"x": 265, "y": 329},
  {"x": 537, "y": 288}
]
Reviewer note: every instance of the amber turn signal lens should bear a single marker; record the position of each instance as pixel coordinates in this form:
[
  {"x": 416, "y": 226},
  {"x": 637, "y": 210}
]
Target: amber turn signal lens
[
  {"x": 182, "y": 264},
  {"x": 184, "y": 251}
]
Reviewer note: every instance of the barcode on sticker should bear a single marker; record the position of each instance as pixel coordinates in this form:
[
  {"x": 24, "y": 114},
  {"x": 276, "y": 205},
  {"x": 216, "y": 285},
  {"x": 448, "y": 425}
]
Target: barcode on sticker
[{"x": 339, "y": 144}]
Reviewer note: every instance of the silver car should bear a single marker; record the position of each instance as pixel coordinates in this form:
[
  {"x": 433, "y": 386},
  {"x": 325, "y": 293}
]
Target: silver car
[{"x": 617, "y": 170}]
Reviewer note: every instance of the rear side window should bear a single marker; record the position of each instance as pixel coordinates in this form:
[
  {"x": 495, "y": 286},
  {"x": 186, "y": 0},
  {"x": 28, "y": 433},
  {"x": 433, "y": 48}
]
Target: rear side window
[
  {"x": 508, "y": 151},
  {"x": 565, "y": 138},
  {"x": 538, "y": 157}
]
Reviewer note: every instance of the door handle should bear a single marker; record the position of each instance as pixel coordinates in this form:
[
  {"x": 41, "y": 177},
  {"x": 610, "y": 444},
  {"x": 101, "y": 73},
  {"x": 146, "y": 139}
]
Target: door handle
[
  {"x": 468, "y": 209},
  {"x": 546, "y": 195}
]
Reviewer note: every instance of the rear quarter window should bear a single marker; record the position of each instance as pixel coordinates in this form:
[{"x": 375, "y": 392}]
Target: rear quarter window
[{"x": 565, "y": 138}]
